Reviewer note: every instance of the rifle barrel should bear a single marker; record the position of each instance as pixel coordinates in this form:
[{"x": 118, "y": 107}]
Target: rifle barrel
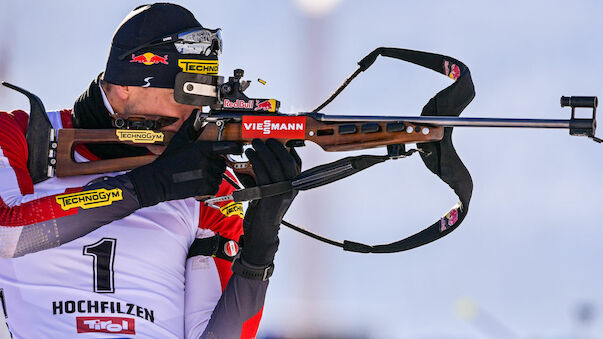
[{"x": 451, "y": 121}]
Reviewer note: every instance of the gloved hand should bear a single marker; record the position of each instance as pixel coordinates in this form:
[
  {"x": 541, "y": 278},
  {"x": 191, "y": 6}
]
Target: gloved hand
[
  {"x": 185, "y": 169},
  {"x": 271, "y": 163}
]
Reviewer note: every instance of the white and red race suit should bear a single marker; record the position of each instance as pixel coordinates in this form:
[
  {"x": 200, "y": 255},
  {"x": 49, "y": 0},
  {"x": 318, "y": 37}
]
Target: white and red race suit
[{"x": 81, "y": 260}]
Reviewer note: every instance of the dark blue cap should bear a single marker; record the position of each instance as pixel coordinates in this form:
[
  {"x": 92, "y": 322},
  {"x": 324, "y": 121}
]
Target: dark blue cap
[{"x": 154, "y": 66}]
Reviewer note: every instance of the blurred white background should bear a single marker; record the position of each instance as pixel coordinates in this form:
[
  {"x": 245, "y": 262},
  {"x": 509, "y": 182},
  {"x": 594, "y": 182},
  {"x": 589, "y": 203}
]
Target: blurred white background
[{"x": 526, "y": 261}]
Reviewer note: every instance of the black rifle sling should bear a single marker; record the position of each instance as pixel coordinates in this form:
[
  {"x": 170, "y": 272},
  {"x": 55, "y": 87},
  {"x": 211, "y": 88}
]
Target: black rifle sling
[{"x": 440, "y": 157}]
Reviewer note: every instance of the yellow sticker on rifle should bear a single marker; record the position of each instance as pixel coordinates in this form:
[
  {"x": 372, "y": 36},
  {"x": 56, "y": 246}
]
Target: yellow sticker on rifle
[
  {"x": 89, "y": 199},
  {"x": 139, "y": 137},
  {"x": 232, "y": 208}
]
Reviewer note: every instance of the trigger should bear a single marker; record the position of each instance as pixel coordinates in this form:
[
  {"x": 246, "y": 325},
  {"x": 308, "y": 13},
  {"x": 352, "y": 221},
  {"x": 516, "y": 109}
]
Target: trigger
[{"x": 243, "y": 167}]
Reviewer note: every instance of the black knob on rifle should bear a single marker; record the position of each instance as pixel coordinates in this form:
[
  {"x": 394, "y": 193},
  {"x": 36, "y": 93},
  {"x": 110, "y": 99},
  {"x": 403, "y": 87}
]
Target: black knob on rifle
[
  {"x": 119, "y": 123},
  {"x": 591, "y": 102},
  {"x": 225, "y": 89},
  {"x": 238, "y": 73}
]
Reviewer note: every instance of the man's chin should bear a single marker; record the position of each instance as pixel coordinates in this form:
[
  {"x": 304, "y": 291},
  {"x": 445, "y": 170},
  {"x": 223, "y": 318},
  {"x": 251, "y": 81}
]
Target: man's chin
[{"x": 156, "y": 149}]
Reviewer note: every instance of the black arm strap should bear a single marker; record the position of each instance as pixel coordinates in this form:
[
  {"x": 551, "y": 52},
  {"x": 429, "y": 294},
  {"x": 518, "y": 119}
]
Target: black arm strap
[
  {"x": 312, "y": 178},
  {"x": 216, "y": 246}
]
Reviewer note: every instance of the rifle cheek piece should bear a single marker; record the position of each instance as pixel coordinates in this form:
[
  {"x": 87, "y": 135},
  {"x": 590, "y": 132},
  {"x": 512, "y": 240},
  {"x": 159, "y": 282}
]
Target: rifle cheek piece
[
  {"x": 210, "y": 90},
  {"x": 197, "y": 89}
]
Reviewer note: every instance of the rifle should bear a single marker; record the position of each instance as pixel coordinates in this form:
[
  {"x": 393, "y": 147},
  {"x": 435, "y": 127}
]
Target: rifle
[{"x": 235, "y": 117}]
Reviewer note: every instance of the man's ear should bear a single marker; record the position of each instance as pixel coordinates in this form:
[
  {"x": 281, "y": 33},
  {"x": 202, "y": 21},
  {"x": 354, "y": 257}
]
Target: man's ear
[
  {"x": 119, "y": 91},
  {"x": 117, "y": 95}
]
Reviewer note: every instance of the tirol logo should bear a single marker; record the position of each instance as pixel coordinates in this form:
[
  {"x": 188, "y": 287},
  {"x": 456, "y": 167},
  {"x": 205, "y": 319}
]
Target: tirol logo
[
  {"x": 105, "y": 325},
  {"x": 232, "y": 208},
  {"x": 238, "y": 104},
  {"x": 231, "y": 248},
  {"x": 199, "y": 66},
  {"x": 452, "y": 70},
  {"x": 149, "y": 59},
  {"x": 265, "y": 127},
  {"x": 449, "y": 219},
  {"x": 89, "y": 199},
  {"x": 266, "y": 105},
  {"x": 138, "y": 137}
]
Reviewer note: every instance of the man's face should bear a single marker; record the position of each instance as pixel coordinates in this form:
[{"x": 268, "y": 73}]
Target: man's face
[{"x": 153, "y": 103}]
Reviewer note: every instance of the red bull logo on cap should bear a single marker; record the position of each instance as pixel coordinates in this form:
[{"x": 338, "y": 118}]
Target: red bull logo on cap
[{"x": 149, "y": 59}]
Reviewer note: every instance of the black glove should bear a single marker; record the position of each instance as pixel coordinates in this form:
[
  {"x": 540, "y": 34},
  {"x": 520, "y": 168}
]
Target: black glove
[
  {"x": 185, "y": 169},
  {"x": 271, "y": 163}
]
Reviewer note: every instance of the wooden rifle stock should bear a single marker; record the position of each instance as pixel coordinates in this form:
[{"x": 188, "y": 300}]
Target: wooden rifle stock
[
  {"x": 69, "y": 138},
  {"x": 330, "y": 136},
  {"x": 342, "y": 136}
]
